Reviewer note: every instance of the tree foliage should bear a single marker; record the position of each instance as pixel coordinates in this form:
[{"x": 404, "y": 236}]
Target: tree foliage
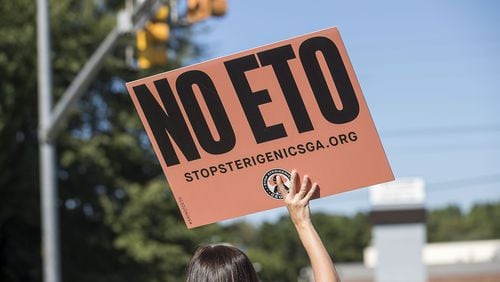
[
  {"x": 102, "y": 151},
  {"x": 452, "y": 224},
  {"x": 19, "y": 200}
]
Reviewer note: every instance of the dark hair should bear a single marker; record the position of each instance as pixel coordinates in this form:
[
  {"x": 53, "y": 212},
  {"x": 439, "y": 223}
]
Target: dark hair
[{"x": 220, "y": 263}]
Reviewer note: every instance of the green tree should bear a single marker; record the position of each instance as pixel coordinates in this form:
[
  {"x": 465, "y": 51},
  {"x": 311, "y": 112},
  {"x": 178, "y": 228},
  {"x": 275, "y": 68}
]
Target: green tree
[
  {"x": 345, "y": 237},
  {"x": 286, "y": 256},
  {"x": 19, "y": 200},
  {"x": 445, "y": 224},
  {"x": 451, "y": 224},
  {"x": 103, "y": 152},
  {"x": 149, "y": 229},
  {"x": 484, "y": 221}
]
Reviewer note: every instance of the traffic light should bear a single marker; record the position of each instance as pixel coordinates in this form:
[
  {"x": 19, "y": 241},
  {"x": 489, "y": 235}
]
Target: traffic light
[
  {"x": 152, "y": 40},
  {"x": 198, "y": 10}
]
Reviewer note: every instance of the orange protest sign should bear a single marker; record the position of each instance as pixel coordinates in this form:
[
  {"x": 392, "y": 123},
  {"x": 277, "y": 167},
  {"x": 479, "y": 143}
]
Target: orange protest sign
[{"x": 224, "y": 129}]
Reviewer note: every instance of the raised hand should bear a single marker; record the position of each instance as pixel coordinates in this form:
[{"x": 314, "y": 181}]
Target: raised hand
[{"x": 297, "y": 203}]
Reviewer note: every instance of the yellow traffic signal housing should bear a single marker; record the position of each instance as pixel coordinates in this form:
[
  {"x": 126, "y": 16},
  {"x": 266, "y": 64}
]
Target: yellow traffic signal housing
[
  {"x": 199, "y": 10},
  {"x": 152, "y": 40},
  {"x": 162, "y": 13},
  {"x": 219, "y": 8}
]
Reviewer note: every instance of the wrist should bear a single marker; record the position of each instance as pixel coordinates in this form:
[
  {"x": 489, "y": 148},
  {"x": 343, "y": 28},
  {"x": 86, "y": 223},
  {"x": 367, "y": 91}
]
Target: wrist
[{"x": 302, "y": 224}]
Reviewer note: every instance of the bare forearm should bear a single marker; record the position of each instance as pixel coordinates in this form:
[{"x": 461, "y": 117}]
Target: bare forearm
[
  {"x": 321, "y": 263},
  {"x": 297, "y": 204}
]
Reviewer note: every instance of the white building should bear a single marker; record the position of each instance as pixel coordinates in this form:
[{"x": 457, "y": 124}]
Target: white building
[{"x": 468, "y": 261}]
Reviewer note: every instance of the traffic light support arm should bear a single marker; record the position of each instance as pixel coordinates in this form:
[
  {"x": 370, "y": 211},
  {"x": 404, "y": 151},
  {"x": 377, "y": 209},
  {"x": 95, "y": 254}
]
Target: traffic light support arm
[{"x": 83, "y": 79}]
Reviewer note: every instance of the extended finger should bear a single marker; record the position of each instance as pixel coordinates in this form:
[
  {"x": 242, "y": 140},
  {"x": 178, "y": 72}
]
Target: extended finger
[
  {"x": 303, "y": 187},
  {"x": 293, "y": 183},
  {"x": 281, "y": 186},
  {"x": 311, "y": 191}
]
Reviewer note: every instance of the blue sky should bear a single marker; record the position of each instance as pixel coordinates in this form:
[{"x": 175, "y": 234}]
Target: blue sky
[{"x": 429, "y": 70}]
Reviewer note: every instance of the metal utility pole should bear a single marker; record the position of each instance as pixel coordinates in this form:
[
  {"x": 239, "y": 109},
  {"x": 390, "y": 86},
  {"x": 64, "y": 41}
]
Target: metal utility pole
[
  {"x": 51, "y": 122},
  {"x": 49, "y": 206}
]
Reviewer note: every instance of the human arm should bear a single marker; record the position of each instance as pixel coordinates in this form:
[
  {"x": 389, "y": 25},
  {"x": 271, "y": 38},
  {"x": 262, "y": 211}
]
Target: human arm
[{"x": 297, "y": 204}]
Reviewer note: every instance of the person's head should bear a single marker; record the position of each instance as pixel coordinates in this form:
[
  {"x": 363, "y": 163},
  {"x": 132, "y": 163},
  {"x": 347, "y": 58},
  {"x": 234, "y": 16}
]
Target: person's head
[{"x": 220, "y": 263}]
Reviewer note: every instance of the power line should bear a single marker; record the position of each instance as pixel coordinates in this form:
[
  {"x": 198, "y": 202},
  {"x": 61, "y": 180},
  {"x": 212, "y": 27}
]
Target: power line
[
  {"x": 464, "y": 182},
  {"x": 443, "y": 148},
  {"x": 439, "y": 185},
  {"x": 445, "y": 130}
]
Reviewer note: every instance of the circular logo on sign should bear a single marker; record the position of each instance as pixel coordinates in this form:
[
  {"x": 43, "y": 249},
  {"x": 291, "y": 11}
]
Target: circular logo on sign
[{"x": 270, "y": 184}]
